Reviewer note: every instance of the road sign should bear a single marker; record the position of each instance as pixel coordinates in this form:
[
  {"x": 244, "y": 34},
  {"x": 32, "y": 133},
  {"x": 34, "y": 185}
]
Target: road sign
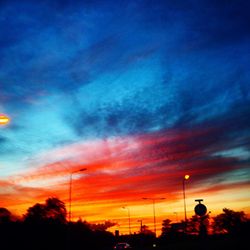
[{"x": 200, "y": 209}]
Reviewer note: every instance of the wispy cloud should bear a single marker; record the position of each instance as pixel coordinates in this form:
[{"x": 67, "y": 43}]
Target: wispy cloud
[{"x": 128, "y": 168}]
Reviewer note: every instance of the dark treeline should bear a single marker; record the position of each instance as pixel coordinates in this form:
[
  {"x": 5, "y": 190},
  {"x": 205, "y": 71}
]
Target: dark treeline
[{"x": 45, "y": 226}]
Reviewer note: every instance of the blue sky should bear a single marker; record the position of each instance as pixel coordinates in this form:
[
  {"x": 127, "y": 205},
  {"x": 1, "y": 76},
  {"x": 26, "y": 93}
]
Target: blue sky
[{"x": 74, "y": 72}]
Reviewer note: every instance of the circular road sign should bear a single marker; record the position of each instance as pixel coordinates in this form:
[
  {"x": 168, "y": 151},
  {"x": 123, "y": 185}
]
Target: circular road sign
[{"x": 200, "y": 209}]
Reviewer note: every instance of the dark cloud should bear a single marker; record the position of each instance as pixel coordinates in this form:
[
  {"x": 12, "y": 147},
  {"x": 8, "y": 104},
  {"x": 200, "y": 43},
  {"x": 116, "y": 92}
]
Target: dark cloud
[
  {"x": 51, "y": 46},
  {"x": 227, "y": 21},
  {"x": 205, "y": 24}
]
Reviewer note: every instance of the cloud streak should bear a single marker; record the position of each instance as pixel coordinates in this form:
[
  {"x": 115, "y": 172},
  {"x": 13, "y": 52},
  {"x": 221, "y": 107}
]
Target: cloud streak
[{"x": 124, "y": 169}]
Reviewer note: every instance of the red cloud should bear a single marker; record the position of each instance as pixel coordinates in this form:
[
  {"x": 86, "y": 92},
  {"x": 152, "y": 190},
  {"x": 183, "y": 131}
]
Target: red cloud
[{"x": 124, "y": 169}]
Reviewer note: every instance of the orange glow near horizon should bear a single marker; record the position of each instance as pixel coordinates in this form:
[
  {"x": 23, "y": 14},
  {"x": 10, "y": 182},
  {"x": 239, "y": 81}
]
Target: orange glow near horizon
[{"x": 120, "y": 172}]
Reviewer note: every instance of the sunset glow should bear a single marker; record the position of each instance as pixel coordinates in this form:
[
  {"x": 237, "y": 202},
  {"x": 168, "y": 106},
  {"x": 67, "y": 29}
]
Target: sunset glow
[{"x": 143, "y": 95}]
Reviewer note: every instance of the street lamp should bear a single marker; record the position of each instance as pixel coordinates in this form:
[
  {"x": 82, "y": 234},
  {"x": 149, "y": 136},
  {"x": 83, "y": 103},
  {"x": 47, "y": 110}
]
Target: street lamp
[
  {"x": 128, "y": 218},
  {"x": 140, "y": 225},
  {"x": 154, "y": 199},
  {"x": 70, "y": 189},
  {"x": 4, "y": 119},
  {"x": 186, "y": 177}
]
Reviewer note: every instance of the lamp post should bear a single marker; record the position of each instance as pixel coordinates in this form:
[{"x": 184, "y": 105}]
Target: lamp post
[
  {"x": 186, "y": 177},
  {"x": 154, "y": 199},
  {"x": 140, "y": 225},
  {"x": 70, "y": 189},
  {"x": 128, "y": 218}
]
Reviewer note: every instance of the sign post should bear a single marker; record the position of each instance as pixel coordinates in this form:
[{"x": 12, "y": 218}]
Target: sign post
[{"x": 201, "y": 210}]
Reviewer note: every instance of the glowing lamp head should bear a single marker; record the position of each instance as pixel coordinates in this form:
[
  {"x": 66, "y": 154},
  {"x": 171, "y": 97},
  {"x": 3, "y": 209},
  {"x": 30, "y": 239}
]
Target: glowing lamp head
[
  {"x": 186, "y": 177},
  {"x": 4, "y": 120}
]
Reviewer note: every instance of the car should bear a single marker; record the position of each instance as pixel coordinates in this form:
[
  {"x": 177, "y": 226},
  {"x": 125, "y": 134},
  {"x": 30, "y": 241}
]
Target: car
[{"x": 122, "y": 245}]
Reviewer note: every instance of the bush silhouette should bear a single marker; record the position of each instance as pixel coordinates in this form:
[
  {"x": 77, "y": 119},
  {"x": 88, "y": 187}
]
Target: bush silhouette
[{"x": 229, "y": 222}]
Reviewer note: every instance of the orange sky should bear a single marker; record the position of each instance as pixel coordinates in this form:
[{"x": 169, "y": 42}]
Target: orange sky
[{"x": 123, "y": 170}]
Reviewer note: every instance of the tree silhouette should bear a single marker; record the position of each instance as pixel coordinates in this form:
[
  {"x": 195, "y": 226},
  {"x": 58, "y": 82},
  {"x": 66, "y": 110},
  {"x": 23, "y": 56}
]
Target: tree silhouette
[
  {"x": 193, "y": 224},
  {"x": 229, "y": 221},
  {"x": 5, "y": 215},
  {"x": 35, "y": 213},
  {"x": 53, "y": 210},
  {"x": 102, "y": 226},
  {"x": 166, "y": 227},
  {"x": 145, "y": 230}
]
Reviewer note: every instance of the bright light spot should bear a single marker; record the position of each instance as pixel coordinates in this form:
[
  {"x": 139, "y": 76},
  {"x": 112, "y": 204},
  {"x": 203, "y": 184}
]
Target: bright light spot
[
  {"x": 186, "y": 177},
  {"x": 4, "y": 119}
]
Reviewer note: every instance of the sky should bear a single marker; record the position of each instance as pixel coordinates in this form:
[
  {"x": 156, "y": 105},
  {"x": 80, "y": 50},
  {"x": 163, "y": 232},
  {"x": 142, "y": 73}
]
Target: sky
[{"x": 138, "y": 92}]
